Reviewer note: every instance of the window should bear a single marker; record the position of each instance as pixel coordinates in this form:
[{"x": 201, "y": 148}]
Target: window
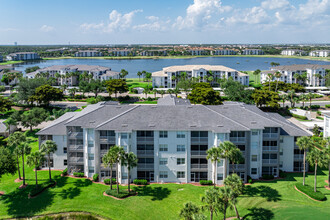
[
  {"x": 162, "y": 161},
  {"x": 254, "y": 133},
  {"x": 269, "y": 143},
  {"x": 162, "y": 134},
  {"x": 91, "y": 170},
  {"x": 180, "y": 148},
  {"x": 65, "y": 162},
  {"x": 254, "y": 171},
  {"x": 123, "y": 136},
  {"x": 180, "y": 174},
  {"x": 220, "y": 164},
  {"x": 124, "y": 176},
  {"x": 90, "y": 144},
  {"x": 254, "y": 158},
  {"x": 180, "y": 161},
  {"x": 220, "y": 176},
  {"x": 163, "y": 147},
  {"x": 91, "y": 157},
  {"x": 65, "y": 150},
  {"x": 163, "y": 174},
  {"x": 180, "y": 134}
]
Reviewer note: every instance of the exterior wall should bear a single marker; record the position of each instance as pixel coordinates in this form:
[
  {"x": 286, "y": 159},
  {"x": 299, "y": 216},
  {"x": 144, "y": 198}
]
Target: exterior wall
[
  {"x": 256, "y": 149},
  {"x": 286, "y": 153},
  {"x": 326, "y": 127},
  {"x": 253, "y": 52},
  {"x": 59, "y": 156}
]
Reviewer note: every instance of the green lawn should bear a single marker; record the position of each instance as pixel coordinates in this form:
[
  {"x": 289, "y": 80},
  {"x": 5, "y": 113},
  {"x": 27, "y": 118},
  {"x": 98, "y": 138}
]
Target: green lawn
[
  {"x": 135, "y": 82},
  {"x": 262, "y": 200},
  {"x": 10, "y": 62}
]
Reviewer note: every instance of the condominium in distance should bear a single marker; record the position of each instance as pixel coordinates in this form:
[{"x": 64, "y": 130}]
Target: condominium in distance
[
  {"x": 253, "y": 52},
  {"x": 315, "y": 74},
  {"x": 168, "y": 77},
  {"x": 22, "y": 56},
  {"x": 293, "y": 52},
  {"x": 320, "y": 53},
  {"x": 88, "y": 53},
  {"x": 170, "y": 140}
]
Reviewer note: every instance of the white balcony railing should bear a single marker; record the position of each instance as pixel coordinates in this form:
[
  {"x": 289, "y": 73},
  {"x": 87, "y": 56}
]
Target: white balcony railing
[
  {"x": 269, "y": 161},
  {"x": 198, "y": 153},
  {"x": 298, "y": 156},
  {"x": 199, "y": 139},
  {"x": 270, "y": 135},
  {"x": 76, "y": 159},
  {"x": 270, "y": 148},
  {"x": 145, "y": 152},
  {"x": 237, "y": 166},
  {"x": 76, "y": 135},
  {"x": 237, "y": 139},
  {"x": 107, "y": 139},
  {"x": 76, "y": 147},
  {"x": 145, "y": 139},
  {"x": 145, "y": 166},
  {"x": 198, "y": 166}
]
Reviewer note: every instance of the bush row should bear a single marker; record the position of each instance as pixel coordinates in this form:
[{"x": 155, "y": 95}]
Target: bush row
[
  {"x": 315, "y": 106},
  {"x": 122, "y": 193},
  {"x": 299, "y": 117},
  {"x": 65, "y": 172},
  {"x": 96, "y": 177},
  {"x": 308, "y": 190},
  {"x": 140, "y": 182},
  {"x": 76, "y": 174},
  {"x": 267, "y": 177},
  {"x": 41, "y": 187},
  {"x": 205, "y": 182},
  {"x": 327, "y": 106},
  {"x": 107, "y": 181}
]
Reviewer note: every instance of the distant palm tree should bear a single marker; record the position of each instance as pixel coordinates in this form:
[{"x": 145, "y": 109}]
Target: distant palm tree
[
  {"x": 214, "y": 154},
  {"x": 310, "y": 96},
  {"x": 189, "y": 210},
  {"x": 236, "y": 157},
  {"x": 234, "y": 182},
  {"x": 139, "y": 74},
  {"x": 304, "y": 143},
  {"x": 49, "y": 147},
  {"x": 283, "y": 98},
  {"x": 35, "y": 160},
  {"x": 14, "y": 141},
  {"x": 161, "y": 92},
  {"x": 303, "y": 98},
  {"x": 130, "y": 160},
  {"x": 226, "y": 196},
  {"x": 297, "y": 77},
  {"x": 270, "y": 77},
  {"x": 327, "y": 156},
  {"x": 211, "y": 201},
  {"x": 256, "y": 73},
  {"x": 117, "y": 152},
  {"x": 24, "y": 149},
  {"x": 316, "y": 158},
  {"x": 226, "y": 150},
  {"x": 277, "y": 76},
  {"x": 108, "y": 160}
]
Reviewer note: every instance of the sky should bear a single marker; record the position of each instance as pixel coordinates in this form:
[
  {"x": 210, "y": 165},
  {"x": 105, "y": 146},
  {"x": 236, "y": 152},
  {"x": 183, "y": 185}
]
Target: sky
[{"x": 164, "y": 21}]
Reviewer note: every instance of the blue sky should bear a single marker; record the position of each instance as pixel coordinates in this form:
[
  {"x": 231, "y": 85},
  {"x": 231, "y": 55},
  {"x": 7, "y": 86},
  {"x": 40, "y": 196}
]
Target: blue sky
[{"x": 170, "y": 21}]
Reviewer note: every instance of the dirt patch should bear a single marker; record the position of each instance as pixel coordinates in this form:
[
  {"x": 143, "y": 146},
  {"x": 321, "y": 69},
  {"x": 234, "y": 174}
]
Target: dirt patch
[
  {"x": 22, "y": 186},
  {"x": 18, "y": 180},
  {"x": 2, "y": 193}
]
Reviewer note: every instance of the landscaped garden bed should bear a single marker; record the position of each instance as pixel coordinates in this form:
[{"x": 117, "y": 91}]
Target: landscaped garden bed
[
  {"x": 309, "y": 191},
  {"x": 121, "y": 195},
  {"x": 42, "y": 187}
]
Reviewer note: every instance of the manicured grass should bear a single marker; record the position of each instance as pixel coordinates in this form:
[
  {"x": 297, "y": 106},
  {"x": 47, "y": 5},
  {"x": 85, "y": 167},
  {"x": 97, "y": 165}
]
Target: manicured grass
[
  {"x": 275, "y": 199},
  {"x": 10, "y": 62},
  {"x": 133, "y": 83},
  {"x": 309, "y": 190}
]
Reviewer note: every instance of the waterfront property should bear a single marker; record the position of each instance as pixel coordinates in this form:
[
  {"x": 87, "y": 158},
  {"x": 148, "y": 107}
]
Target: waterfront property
[
  {"x": 122, "y": 53},
  {"x": 170, "y": 140},
  {"x": 22, "y": 56},
  {"x": 1, "y": 58},
  {"x": 88, "y": 53},
  {"x": 62, "y": 73},
  {"x": 319, "y": 53},
  {"x": 293, "y": 52},
  {"x": 253, "y": 52},
  {"x": 169, "y": 76},
  {"x": 310, "y": 75},
  {"x": 223, "y": 52}
]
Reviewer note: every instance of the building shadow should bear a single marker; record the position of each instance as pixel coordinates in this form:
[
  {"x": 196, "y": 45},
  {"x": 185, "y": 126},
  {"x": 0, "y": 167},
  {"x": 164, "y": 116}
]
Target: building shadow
[
  {"x": 266, "y": 192},
  {"x": 259, "y": 214},
  {"x": 157, "y": 193}
]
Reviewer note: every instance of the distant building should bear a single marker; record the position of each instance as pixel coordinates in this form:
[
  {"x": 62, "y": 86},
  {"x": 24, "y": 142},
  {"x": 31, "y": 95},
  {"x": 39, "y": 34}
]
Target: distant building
[
  {"x": 88, "y": 53},
  {"x": 319, "y": 53},
  {"x": 154, "y": 53},
  {"x": 223, "y": 52},
  {"x": 121, "y": 53},
  {"x": 165, "y": 77},
  {"x": 253, "y": 52},
  {"x": 22, "y": 56},
  {"x": 288, "y": 74},
  {"x": 291, "y": 52},
  {"x": 196, "y": 52}
]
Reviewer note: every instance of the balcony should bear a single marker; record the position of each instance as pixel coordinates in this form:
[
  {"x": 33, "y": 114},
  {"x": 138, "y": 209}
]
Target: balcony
[
  {"x": 199, "y": 139},
  {"x": 198, "y": 166},
  {"x": 145, "y": 166},
  {"x": 270, "y": 148},
  {"x": 269, "y": 161},
  {"x": 237, "y": 166},
  {"x": 76, "y": 160},
  {"x": 107, "y": 139},
  {"x": 270, "y": 135},
  {"x": 145, "y": 139},
  {"x": 198, "y": 153},
  {"x": 145, "y": 152},
  {"x": 76, "y": 135},
  {"x": 298, "y": 156},
  {"x": 76, "y": 147},
  {"x": 237, "y": 139}
]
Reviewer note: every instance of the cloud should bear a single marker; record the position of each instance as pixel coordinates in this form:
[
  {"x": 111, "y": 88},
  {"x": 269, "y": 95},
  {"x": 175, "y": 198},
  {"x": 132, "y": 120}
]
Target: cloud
[
  {"x": 255, "y": 15},
  {"x": 274, "y": 4},
  {"x": 46, "y": 28}
]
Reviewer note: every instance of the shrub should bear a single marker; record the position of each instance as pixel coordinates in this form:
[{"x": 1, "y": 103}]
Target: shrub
[
  {"x": 308, "y": 190},
  {"x": 267, "y": 177},
  {"x": 250, "y": 181},
  {"x": 319, "y": 112},
  {"x": 282, "y": 174},
  {"x": 107, "y": 181},
  {"x": 41, "y": 187},
  {"x": 319, "y": 117},
  {"x": 327, "y": 106},
  {"x": 96, "y": 177},
  {"x": 78, "y": 174},
  {"x": 140, "y": 182},
  {"x": 65, "y": 172},
  {"x": 300, "y": 117},
  {"x": 205, "y": 182},
  {"x": 122, "y": 193},
  {"x": 315, "y": 106}
]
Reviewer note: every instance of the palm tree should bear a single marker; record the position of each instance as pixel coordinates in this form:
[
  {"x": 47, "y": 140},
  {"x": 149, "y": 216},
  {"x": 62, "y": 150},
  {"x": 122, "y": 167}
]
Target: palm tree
[
  {"x": 189, "y": 210},
  {"x": 10, "y": 121},
  {"x": 236, "y": 185},
  {"x": 48, "y": 148},
  {"x": 304, "y": 143},
  {"x": 256, "y": 73},
  {"x": 226, "y": 149},
  {"x": 154, "y": 91},
  {"x": 130, "y": 160},
  {"x": 318, "y": 77},
  {"x": 176, "y": 91},
  {"x": 283, "y": 98},
  {"x": 226, "y": 195},
  {"x": 291, "y": 94},
  {"x": 139, "y": 74},
  {"x": 316, "y": 158},
  {"x": 310, "y": 96},
  {"x": 214, "y": 154},
  {"x": 236, "y": 157},
  {"x": 277, "y": 76},
  {"x": 270, "y": 77},
  {"x": 14, "y": 141},
  {"x": 211, "y": 201},
  {"x": 327, "y": 156},
  {"x": 170, "y": 91},
  {"x": 161, "y": 92},
  {"x": 297, "y": 77},
  {"x": 35, "y": 160},
  {"x": 108, "y": 161},
  {"x": 303, "y": 98},
  {"x": 24, "y": 149},
  {"x": 117, "y": 152}
]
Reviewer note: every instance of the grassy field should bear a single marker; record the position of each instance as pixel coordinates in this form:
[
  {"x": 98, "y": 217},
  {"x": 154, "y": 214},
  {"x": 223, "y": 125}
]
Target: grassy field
[
  {"x": 135, "y": 82},
  {"x": 10, "y": 62},
  {"x": 262, "y": 200}
]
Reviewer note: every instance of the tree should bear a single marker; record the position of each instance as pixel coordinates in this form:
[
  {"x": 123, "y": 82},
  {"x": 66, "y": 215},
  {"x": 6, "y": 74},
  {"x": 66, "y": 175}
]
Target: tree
[
  {"x": 211, "y": 201},
  {"x": 73, "y": 92},
  {"x": 189, "y": 210},
  {"x": 327, "y": 157},
  {"x": 256, "y": 73},
  {"x": 236, "y": 157},
  {"x": 123, "y": 73},
  {"x": 316, "y": 158},
  {"x": 115, "y": 86},
  {"x": 49, "y": 147},
  {"x": 226, "y": 151},
  {"x": 109, "y": 159},
  {"x": 148, "y": 76},
  {"x": 310, "y": 96},
  {"x": 10, "y": 122},
  {"x": 7, "y": 162},
  {"x": 130, "y": 160},
  {"x": 237, "y": 92},
  {"x": 304, "y": 143},
  {"x": 214, "y": 154},
  {"x": 23, "y": 149},
  {"x": 139, "y": 75},
  {"x": 274, "y": 64},
  {"x": 277, "y": 75},
  {"x": 202, "y": 93},
  {"x": 26, "y": 88},
  {"x": 283, "y": 98},
  {"x": 303, "y": 98},
  {"x": 45, "y": 94},
  {"x": 34, "y": 117},
  {"x": 35, "y": 160},
  {"x": 264, "y": 97},
  {"x": 14, "y": 142},
  {"x": 327, "y": 78},
  {"x": 84, "y": 87},
  {"x": 161, "y": 92},
  {"x": 236, "y": 185},
  {"x": 96, "y": 86},
  {"x": 226, "y": 195},
  {"x": 185, "y": 84},
  {"x": 116, "y": 154},
  {"x": 5, "y": 104},
  {"x": 270, "y": 78}
]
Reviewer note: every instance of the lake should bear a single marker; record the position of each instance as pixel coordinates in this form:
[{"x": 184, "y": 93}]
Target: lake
[{"x": 152, "y": 65}]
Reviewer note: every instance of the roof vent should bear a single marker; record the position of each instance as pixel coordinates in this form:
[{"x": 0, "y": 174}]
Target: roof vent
[
  {"x": 225, "y": 107},
  {"x": 189, "y": 106},
  {"x": 253, "y": 122},
  {"x": 124, "y": 125},
  {"x": 220, "y": 126},
  {"x": 152, "y": 125},
  {"x": 193, "y": 126},
  {"x": 153, "y": 106},
  {"x": 91, "y": 122},
  {"x": 118, "y": 106}
]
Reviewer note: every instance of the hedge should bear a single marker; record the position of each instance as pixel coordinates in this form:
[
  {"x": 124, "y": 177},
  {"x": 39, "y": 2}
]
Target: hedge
[
  {"x": 308, "y": 190},
  {"x": 206, "y": 182},
  {"x": 78, "y": 174},
  {"x": 41, "y": 187},
  {"x": 315, "y": 106},
  {"x": 300, "y": 117},
  {"x": 267, "y": 177},
  {"x": 65, "y": 172},
  {"x": 140, "y": 182},
  {"x": 327, "y": 106},
  {"x": 122, "y": 193},
  {"x": 96, "y": 177},
  {"x": 107, "y": 181}
]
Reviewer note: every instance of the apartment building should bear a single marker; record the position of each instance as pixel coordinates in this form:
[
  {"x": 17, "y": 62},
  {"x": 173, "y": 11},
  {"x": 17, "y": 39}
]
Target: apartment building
[
  {"x": 319, "y": 53},
  {"x": 197, "y": 52},
  {"x": 153, "y": 53},
  {"x": 88, "y": 53},
  {"x": 1, "y": 58},
  {"x": 22, "y": 56},
  {"x": 60, "y": 72},
  {"x": 292, "y": 52},
  {"x": 223, "y": 52},
  {"x": 170, "y": 140},
  {"x": 253, "y": 52},
  {"x": 315, "y": 74},
  {"x": 121, "y": 53},
  {"x": 168, "y": 77}
]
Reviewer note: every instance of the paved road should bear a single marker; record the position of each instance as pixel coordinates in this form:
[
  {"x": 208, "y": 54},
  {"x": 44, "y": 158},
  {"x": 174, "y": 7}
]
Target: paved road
[{"x": 69, "y": 104}]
